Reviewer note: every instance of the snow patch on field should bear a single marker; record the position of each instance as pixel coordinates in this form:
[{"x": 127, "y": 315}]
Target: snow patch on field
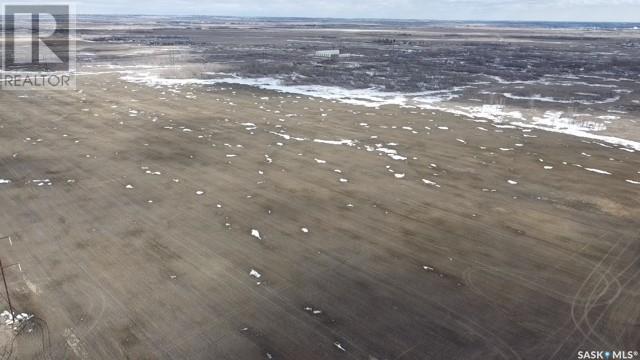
[
  {"x": 336, "y": 142},
  {"x": 429, "y": 182},
  {"x": 15, "y": 320},
  {"x": 255, "y": 274},
  {"x": 598, "y": 171},
  {"x": 561, "y": 101},
  {"x": 392, "y": 153},
  {"x": 429, "y": 100}
]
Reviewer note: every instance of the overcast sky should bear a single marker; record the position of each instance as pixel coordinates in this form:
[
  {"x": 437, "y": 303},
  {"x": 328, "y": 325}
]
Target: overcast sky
[{"x": 560, "y": 10}]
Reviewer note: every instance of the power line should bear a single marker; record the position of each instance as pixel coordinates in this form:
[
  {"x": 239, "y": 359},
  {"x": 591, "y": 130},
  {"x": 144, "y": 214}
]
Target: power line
[
  {"x": 4, "y": 280},
  {"x": 6, "y": 289}
]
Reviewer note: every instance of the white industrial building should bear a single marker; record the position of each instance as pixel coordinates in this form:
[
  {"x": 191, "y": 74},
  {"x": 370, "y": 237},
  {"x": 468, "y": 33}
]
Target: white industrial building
[{"x": 328, "y": 53}]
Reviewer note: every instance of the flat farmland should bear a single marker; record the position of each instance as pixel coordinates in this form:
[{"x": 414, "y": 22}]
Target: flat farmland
[{"x": 229, "y": 222}]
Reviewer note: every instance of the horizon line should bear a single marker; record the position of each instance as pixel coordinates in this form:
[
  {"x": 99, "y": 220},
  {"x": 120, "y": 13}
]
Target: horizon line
[{"x": 373, "y": 18}]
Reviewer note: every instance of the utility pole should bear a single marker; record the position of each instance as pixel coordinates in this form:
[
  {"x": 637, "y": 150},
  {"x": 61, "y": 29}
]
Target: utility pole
[
  {"x": 4, "y": 280},
  {"x": 6, "y": 289}
]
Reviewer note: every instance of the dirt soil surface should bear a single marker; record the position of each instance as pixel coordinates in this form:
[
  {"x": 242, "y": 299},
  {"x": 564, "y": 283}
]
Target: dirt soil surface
[{"x": 234, "y": 223}]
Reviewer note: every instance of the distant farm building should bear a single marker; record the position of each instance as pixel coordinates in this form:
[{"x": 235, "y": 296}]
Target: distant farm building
[{"x": 328, "y": 53}]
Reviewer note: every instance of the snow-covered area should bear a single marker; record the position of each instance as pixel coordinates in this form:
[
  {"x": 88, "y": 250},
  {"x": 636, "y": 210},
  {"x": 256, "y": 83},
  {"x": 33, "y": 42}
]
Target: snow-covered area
[
  {"x": 13, "y": 321},
  {"x": 552, "y": 121}
]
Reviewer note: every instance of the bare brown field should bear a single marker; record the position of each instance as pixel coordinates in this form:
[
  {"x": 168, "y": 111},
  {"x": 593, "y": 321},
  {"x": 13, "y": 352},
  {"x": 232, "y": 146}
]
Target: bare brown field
[{"x": 132, "y": 212}]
